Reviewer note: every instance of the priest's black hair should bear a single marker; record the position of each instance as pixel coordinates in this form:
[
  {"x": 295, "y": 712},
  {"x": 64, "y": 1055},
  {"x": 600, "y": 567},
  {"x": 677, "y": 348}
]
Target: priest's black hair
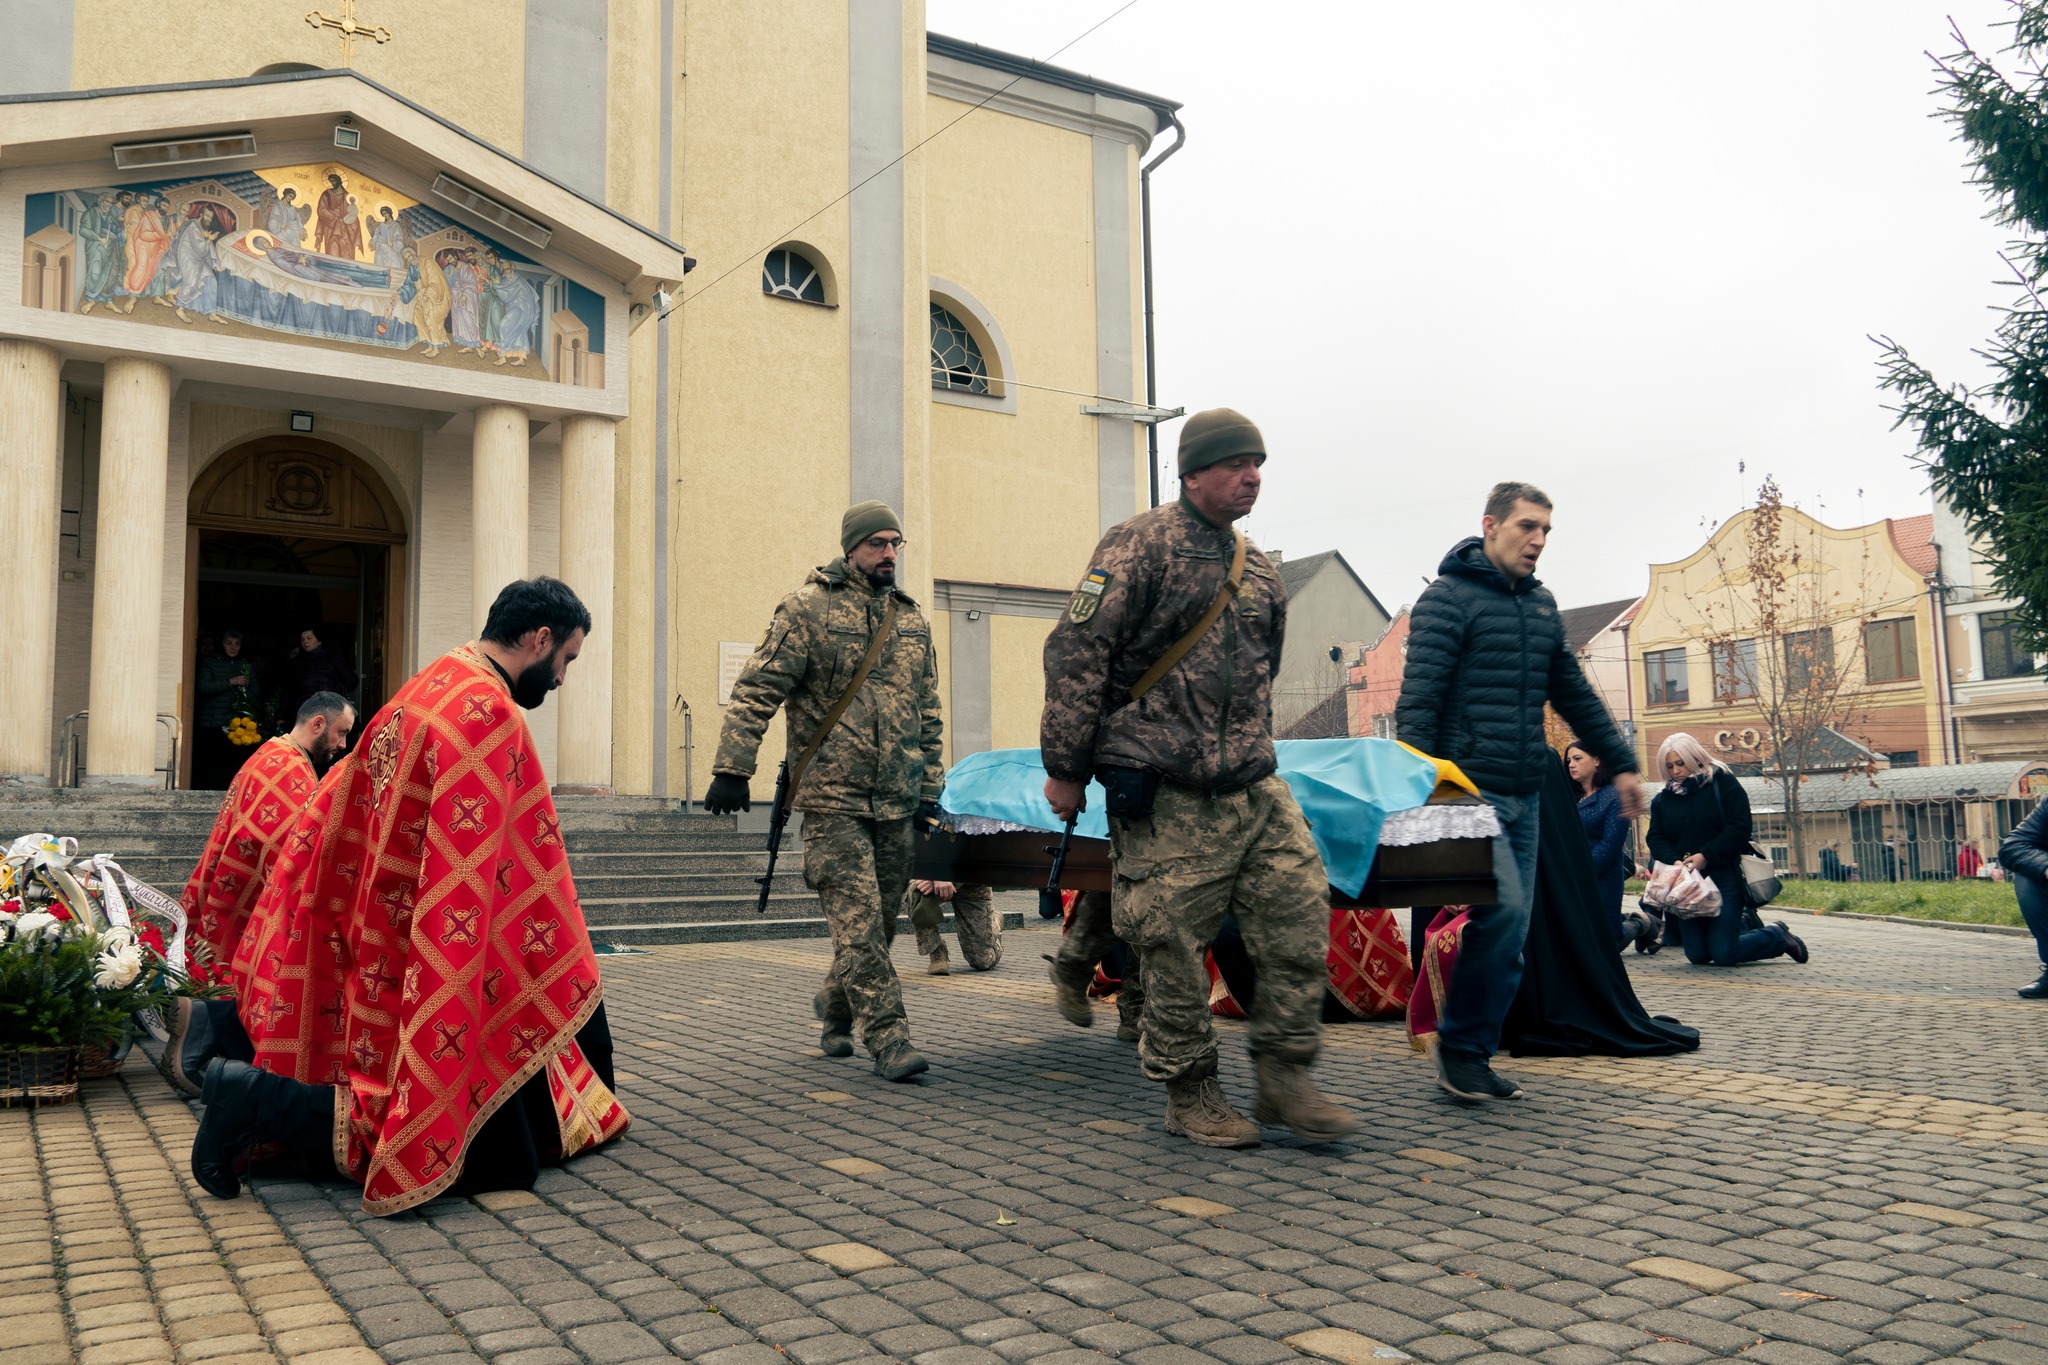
[{"x": 531, "y": 603}]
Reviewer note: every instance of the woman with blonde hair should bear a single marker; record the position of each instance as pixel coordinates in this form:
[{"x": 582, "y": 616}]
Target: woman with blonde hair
[{"x": 1701, "y": 818}]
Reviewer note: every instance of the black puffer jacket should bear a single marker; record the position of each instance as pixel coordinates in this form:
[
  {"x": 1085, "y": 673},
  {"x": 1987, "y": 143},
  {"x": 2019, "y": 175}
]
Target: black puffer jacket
[{"x": 1484, "y": 654}]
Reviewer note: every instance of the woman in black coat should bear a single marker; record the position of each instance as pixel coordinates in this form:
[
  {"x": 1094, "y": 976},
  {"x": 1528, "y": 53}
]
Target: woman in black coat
[{"x": 1702, "y": 818}]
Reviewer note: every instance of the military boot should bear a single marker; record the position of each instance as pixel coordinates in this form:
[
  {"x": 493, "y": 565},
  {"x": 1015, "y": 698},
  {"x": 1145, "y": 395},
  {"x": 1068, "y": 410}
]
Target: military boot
[
  {"x": 899, "y": 1061},
  {"x": 1197, "y": 1111},
  {"x": 1071, "y": 999},
  {"x": 1289, "y": 1099},
  {"x": 1129, "y": 1016},
  {"x": 835, "y": 1039}
]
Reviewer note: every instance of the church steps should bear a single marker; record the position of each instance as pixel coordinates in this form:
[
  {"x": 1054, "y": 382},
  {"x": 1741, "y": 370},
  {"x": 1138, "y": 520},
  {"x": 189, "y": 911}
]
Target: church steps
[{"x": 754, "y": 927}]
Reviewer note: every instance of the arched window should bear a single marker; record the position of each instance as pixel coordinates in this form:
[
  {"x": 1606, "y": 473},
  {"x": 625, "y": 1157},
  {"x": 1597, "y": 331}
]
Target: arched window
[
  {"x": 286, "y": 68},
  {"x": 957, "y": 362},
  {"x": 789, "y": 274}
]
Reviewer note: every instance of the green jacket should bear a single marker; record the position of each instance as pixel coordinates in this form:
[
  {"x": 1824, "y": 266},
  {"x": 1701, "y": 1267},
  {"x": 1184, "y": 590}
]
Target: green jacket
[{"x": 883, "y": 758}]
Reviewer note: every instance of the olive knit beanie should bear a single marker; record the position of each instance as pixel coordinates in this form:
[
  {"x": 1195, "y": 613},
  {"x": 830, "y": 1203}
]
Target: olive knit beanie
[
  {"x": 1216, "y": 435},
  {"x": 862, "y": 520}
]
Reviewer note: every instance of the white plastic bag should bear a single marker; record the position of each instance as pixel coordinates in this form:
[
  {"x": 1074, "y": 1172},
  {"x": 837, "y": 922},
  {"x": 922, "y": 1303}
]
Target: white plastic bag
[{"x": 1678, "y": 889}]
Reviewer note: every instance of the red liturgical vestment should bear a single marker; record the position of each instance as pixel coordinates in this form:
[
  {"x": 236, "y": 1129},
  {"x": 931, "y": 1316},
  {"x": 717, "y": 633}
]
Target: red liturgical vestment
[
  {"x": 420, "y": 946},
  {"x": 273, "y": 783}
]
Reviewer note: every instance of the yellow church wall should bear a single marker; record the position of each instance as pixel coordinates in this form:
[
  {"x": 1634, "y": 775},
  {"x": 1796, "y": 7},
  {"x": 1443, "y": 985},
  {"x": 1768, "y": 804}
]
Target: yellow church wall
[
  {"x": 1011, "y": 220},
  {"x": 758, "y": 385},
  {"x": 636, "y": 63},
  {"x": 464, "y": 59},
  {"x": 1017, "y": 674}
]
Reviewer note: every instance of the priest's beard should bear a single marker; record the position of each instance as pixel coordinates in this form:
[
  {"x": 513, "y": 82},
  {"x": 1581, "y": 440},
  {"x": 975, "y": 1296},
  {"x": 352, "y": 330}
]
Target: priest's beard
[{"x": 535, "y": 682}]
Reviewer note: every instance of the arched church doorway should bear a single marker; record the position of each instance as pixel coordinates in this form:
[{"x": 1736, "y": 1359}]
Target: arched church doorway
[{"x": 287, "y": 535}]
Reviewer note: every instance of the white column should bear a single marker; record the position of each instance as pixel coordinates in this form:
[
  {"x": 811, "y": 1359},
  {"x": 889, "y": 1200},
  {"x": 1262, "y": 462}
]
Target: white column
[
  {"x": 583, "y": 756},
  {"x": 498, "y": 487},
  {"x": 127, "y": 596},
  {"x": 31, "y": 470}
]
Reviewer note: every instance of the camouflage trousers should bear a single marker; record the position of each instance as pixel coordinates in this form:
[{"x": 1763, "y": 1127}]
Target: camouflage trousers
[
  {"x": 1089, "y": 939},
  {"x": 858, "y": 866},
  {"x": 974, "y": 922},
  {"x": 1177, "y": 873}
]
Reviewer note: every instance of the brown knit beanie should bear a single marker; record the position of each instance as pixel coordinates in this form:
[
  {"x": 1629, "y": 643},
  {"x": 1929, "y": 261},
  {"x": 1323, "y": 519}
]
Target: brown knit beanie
[
  {"x": 1216, "y": 435},
  {"x": 862, "y": 520}
]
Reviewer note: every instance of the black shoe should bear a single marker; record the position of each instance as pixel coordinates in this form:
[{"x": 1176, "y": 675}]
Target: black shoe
[
  {"x": 2037, "y": 991},
  {"x": 835, "y": 1039},
  {"x": 1470, "y": 1078},
  {"x": 228, "y": 1127},
  {"x": 1795, "y": 946}
]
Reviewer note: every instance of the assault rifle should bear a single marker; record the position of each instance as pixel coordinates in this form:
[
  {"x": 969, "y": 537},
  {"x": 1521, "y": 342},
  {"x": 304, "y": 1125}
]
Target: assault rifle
[
  {"x": 1049, "y": 906},
  {"x": 778, "y": 820}
]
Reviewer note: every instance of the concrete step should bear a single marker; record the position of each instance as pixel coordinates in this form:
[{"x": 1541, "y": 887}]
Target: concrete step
[
  {"x": 665, "y": 885},
  {"x": 758, "y": 927},
  {"x": 795, "y": 899}
]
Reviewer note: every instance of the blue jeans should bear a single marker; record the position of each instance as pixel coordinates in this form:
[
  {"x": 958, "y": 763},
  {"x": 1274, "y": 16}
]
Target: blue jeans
[
  {"x": 1489, "y": 968},
  {"x": 1721, "y": 940},
  {"x": 2033, "y": 894}
]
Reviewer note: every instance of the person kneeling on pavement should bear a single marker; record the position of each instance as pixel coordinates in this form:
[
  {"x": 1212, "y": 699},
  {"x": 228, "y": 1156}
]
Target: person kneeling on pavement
[
  {"x": 975, "y": 921},
  {"x": 2024, "y": 855}
]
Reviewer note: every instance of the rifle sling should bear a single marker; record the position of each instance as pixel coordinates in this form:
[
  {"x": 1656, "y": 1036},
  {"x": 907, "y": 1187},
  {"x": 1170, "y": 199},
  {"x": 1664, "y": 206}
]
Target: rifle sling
[
  {"x": 844, "y": 699},
  {"x": 1179, "y": 648}
]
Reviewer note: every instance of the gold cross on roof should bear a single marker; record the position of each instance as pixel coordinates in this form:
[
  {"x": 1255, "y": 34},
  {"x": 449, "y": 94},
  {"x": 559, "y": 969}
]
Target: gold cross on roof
[{"x": 349, "y": 29}]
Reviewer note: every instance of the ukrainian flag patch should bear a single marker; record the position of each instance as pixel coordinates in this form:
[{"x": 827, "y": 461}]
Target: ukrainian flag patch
[{"x": 1087, "y": 597}]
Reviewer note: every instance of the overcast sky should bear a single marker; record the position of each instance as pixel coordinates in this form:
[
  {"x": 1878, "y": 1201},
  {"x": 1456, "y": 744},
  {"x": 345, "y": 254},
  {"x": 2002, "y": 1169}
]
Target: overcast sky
[{"x": 1615, "y": 249}]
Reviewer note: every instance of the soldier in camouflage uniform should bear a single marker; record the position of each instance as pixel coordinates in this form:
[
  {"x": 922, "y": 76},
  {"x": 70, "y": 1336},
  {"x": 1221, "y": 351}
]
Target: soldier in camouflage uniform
[
  {"x": 1200, "y": 822},
  {"x": 878, "y": 768},
  {"x": 975, "y": 921},
  {"x": 1090, "y": 938}
]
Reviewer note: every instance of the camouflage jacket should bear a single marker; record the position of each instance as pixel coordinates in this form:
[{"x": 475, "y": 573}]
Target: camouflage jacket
[
  {"x": 883, "y": 757},
  {"x": 1208, "y": 723}
]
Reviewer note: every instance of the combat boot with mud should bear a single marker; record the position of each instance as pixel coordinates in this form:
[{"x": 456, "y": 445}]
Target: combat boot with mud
[
  {"x": 1289, "y": 1099},
  {"x": 1197, "y": 1111},
  {"x": 835, "y": 1038},
  {"x": 1070, "y": 998}
]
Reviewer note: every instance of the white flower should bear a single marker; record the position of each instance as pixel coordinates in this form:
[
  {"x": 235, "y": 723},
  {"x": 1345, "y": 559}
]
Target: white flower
[
  {"x": 37, "y": 921},
  {"x": 118, "y": 967},
  {"x": 119, "y": 936}
]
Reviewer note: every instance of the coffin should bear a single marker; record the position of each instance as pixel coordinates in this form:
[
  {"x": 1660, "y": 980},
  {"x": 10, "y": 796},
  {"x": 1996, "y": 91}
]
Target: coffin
[{"x": 1446, "y": 872}]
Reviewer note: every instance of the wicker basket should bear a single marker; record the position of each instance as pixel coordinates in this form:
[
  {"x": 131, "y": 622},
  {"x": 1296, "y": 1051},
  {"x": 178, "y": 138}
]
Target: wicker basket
[
  {"x": 96, "y": 1060},
  {"x": 38, "y": 1075}
]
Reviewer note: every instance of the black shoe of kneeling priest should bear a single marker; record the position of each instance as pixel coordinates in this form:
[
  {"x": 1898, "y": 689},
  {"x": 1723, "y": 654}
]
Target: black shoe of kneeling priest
[{"x": 246, "y": 1105}]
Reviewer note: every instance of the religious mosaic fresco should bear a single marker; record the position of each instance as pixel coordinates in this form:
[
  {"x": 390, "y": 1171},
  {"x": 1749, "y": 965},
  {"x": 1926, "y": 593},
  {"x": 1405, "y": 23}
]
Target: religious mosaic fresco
[{"x": 321, "y": 253}]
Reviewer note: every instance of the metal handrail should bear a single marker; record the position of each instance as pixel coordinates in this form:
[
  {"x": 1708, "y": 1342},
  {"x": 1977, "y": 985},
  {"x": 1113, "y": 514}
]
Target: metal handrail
[{"x": 71, "y": 762}]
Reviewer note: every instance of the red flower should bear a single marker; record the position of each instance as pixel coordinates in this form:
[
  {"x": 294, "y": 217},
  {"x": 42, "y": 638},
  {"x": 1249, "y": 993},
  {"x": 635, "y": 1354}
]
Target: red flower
[
  {"x": 10, "y": 907},
  {"x": 59, "y": 912},
  {"x": 152, "y": 938}
]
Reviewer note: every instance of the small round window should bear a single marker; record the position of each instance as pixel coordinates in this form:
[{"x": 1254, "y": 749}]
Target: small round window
[
  {"x": 789, "y": 274},
  {"x": 956, "y": 356}
]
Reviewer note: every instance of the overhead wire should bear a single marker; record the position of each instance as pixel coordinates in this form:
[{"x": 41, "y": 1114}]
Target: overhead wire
[{"x": 894, "y": 162}]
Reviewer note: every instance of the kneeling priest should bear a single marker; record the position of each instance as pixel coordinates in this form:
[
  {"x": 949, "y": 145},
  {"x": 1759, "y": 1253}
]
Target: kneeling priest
[{"x": 417, "y": 980}]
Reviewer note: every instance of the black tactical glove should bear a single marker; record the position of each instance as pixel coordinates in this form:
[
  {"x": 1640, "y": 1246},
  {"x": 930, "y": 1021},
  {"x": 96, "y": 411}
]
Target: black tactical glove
[
  {"x": 728, "y": 794},
  {"x": 928, "y": 814}
]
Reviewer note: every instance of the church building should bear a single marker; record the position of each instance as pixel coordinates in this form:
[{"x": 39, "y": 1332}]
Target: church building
[{"x": 339, "y": 321}]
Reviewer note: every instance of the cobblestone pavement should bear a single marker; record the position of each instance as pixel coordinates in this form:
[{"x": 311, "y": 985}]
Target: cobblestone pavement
[{"x": 1853, "y": 1166}]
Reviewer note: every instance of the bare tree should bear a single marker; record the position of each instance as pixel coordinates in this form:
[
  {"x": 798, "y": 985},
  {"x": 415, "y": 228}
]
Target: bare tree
[{"x": 1779, "y": 650}]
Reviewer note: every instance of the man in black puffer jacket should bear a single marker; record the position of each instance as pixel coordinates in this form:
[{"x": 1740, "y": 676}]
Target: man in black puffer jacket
[{"x": 1486, "y": 650}]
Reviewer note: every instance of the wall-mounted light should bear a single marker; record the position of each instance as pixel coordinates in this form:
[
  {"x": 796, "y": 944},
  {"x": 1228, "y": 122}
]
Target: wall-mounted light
[
  {"x": 347, "y": 138},
  {"x": 302, "y": 421},
  {"x": 974, "y": 615}
]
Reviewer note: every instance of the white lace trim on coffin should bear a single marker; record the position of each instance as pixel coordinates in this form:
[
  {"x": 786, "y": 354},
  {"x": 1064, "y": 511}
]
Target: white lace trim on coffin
[{"x": 1427, "y": 824}]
